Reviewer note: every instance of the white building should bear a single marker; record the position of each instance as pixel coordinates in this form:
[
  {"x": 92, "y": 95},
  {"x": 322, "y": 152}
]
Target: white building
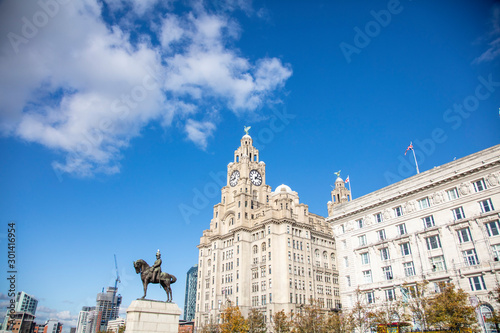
[
  {"x": 264, "y": 249},
  {"x": 439, "y": 225},
  {"x": 87, "y": 320},
  {"x": 114, "y": 325}
]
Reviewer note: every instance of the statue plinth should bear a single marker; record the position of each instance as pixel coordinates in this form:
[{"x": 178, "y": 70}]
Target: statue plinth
[{"x": 149, "y": 316}]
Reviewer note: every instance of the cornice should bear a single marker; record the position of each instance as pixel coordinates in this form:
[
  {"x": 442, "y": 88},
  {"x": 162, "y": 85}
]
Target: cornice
[{"x": 415, "y": 191}]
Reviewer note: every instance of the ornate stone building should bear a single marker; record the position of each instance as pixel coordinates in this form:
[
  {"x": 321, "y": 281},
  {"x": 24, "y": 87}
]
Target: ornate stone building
[
  {"x": 264, "y": 249},
  {"x": 439, "y": 225}
]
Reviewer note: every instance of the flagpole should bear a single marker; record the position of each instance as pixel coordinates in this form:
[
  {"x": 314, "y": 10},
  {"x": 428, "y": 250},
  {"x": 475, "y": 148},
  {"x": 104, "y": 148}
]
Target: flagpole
[
  {"x": 350, "y": 186},
  {"x": 416, "y": 164}
]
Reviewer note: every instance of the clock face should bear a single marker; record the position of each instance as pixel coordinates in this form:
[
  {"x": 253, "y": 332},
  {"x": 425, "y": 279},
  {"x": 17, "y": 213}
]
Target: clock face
[
  {"x": 255, "y": 177},
  {"x": 233, "y": 180}
]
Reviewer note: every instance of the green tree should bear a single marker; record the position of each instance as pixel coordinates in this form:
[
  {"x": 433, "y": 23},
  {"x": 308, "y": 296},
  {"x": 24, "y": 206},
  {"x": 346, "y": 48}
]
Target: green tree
[
  {"x": 121, "y": 329},
  {"x": 256, "y": 322},
  {"x": 450, "y": 309},
  {"x": 233, "y": 320},
  {"x": 281, "y": 322}
]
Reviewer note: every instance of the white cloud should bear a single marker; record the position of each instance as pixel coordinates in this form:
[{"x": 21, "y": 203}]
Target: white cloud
[
  {"x": 79, "y": 85},
  {"x": 198, "y": 132},
  {"x": 493, "y": 37},
  {"x": 44, "y": 313}
]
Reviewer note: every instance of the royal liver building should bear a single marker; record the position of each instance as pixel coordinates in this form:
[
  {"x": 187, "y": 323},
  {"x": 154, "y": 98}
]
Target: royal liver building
[{"x": 264, "y": 249}]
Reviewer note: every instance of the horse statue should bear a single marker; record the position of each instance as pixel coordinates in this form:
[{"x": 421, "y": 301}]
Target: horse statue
[{"x": 164, "y": 279}]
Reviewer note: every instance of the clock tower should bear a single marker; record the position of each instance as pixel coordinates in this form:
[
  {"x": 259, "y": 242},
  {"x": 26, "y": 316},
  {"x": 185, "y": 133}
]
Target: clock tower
[{"x": 264, "y": 249}]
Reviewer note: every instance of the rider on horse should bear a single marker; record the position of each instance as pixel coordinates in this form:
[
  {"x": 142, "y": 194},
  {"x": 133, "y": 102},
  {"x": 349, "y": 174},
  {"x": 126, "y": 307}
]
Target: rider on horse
[{"x": 156, "y": 268}]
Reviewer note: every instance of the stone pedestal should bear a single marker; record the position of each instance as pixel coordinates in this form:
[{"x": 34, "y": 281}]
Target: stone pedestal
[{"x": 148, "y": 316}]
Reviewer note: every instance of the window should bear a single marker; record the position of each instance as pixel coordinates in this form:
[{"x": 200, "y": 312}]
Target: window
[
  {"x": 401, "y": 229},
  {"x": 470, "y": 257},
  {"x": 452, "y": 194},
  {"x": 433, "y": 242},
  {"x": 378, "y": 217},
  {"x": 464, "y": 235},
  {"x": 496, "y": 251},
  {"x": 492, "y": 228},
  {"x": 370, "y": 297},
  {"x": 477, "y": 283},
  {"x": 428, "y": 221},
  {"x": 348, "y": 280},
  {"x": 479, "y": 185},
  {"x": 384, "y": 254},
  {"x": 424, "y": 203},
  {"x": 367, "y": 276},
  {"x": 398, "y": 211},
  {"x": 405, "y": 249},
  {"x": 486, "y": 206},
  {"x": 438, "y": 263},
  {"x": 365, "y": 258},
  {"x": 390, "y": 295},
  {"x": 360, "y": 223},
  {"x": 381, "y": 234},
  {"x": 362, "y": 240},
  {"x": 409, "y": 269},
  {"x": 458, "y": 213},
  {"x": 346, "y": 262},
  {"x": 387, "y": 272}
]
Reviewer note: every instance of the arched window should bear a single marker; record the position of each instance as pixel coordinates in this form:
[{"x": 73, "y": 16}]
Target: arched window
[
  {"x": 325, "y": 255},
  {"x": 255, "y": 249},
  {"x": 263, "y": 246},
  {"x": 332, "y": 257},
  {"x": 316, "y": 253},
  {"x": 487, "y": 313}
]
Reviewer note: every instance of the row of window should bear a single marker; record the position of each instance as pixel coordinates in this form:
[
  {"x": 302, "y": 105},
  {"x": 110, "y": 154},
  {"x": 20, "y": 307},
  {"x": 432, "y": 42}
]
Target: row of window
[
  {"x": 428, "y": 222},
  {"x": 424, "y": 203},
  {"x": 476, "y": 283}
]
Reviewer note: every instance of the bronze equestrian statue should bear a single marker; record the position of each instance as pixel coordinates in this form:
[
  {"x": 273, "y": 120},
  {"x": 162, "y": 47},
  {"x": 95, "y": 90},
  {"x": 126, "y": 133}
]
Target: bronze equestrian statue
[{"x": 154, "y": 275}]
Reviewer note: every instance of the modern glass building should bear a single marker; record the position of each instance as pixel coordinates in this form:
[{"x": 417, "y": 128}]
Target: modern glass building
[{"x": 190, "y": 300}]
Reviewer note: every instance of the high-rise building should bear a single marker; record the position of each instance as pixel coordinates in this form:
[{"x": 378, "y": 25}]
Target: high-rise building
[
  {"x": 26, "y": 303},
  {"x": 87, "y": 319},
  {"x": 264, "y": 249},
  {"x": 107, "y": 307},
  {"x": 439, "y": 225},
  {"x": 53, "y": 326},
  {"x": 21, "y": 320},
  {"x": 190, "y": 298}
]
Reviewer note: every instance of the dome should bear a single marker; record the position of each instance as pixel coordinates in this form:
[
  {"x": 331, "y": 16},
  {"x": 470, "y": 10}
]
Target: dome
[
  {"x": 262, "y": 162},
  {"x": 283, "y": 188},
  {"x": 246, "y": 136},
  {"x": 339, "y": 180},
  {"x": 230, "y": 163}
]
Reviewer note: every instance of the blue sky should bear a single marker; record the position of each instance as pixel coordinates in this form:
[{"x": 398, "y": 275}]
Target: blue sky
[{"x": 118, "y": 118}]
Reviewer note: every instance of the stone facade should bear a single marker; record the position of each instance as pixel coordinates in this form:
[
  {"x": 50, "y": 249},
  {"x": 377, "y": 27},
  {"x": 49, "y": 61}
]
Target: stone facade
[
  {"x": 148, "y": 316},
  {"x": 264, "y": 249},
  {"x": 439, "y": 225}
]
